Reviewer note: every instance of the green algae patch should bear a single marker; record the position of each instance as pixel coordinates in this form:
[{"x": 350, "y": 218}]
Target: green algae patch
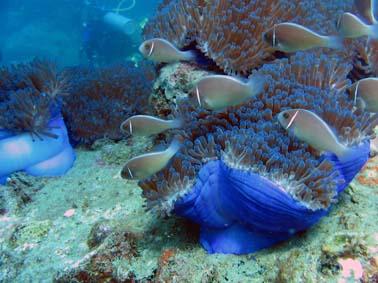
[{"x": 31, "y": 233}]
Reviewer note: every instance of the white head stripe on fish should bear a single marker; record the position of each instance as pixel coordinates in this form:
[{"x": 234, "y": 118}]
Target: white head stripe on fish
[
  {"x": 131, "y": 128},
  {"x": 274, "y": 35},
  {"x": 292, "y": 119},
  {"x": 355, "y": 94},
  {"x": 152, "y": 49},
  {"x": 131, "y": 174},
  {"x": 198, "y": 96}
]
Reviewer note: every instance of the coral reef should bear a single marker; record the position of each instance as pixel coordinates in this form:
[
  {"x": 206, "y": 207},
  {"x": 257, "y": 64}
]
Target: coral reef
[
  {"x": 230, "y": 32},
  {"x": 33, "y": 135},
  {"x": 172, "y": 85},
  {"x": 101, "y": 99},
  {"x": 265, "y": 181}
]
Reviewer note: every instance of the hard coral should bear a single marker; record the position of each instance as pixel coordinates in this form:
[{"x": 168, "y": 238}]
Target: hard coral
[
  {"x": 244, "y": 179},
  {"x": 101, "y": 99}
]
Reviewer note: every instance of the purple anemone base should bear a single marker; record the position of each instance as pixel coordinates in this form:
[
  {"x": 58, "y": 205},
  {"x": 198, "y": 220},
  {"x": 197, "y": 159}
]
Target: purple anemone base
[
  {"x": 45, "y": 156},
  {"x": 241, "y": 212}
]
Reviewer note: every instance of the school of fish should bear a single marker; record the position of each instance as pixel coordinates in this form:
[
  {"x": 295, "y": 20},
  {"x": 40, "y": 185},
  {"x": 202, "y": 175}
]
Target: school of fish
[{"x": 217, "y": 92}]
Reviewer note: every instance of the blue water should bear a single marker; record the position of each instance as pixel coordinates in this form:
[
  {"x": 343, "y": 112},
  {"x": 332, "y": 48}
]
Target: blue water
[{"x": 69, "y": 32}]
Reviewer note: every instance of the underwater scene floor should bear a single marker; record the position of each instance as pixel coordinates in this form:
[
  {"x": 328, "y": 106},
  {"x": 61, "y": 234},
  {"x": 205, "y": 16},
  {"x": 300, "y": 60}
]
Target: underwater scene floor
[{"x": 91, "y": 226}]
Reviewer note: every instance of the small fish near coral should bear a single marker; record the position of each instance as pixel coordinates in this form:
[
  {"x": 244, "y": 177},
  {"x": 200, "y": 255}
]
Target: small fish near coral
[
  {"x": 162, "y": 51},
  {"x": 144, "y": 125},
  {"x": 365, "y": 93},
  {"x": 310, "y": 128},
  {"x": 143, "y": 166},
  {"x": 351, "y": 26},
  {"x": 291, "y": 37},
  {"x": 217, "y": 92}
]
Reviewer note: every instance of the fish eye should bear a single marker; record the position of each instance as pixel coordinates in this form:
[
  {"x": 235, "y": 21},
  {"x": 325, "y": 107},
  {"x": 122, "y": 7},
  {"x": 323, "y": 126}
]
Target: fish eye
[
  {"x": 267, "y": 37},
  {"x": 286, "y": 115},
  {"x": 147, "y": 46}
]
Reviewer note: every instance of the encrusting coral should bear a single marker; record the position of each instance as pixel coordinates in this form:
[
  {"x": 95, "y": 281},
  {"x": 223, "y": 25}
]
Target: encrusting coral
[{"x": 101, "y": 98}]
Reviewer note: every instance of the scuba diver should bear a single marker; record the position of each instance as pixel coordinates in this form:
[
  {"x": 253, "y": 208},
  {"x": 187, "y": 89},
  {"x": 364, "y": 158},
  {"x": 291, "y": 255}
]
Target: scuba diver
[{"x": 106, "y": 34}]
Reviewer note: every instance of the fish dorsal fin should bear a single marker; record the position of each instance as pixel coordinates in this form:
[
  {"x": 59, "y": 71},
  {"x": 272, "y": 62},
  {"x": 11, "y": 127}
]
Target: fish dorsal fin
[
  {"x": 292, "y": 119},
  {"x": 152, "y": 49}
]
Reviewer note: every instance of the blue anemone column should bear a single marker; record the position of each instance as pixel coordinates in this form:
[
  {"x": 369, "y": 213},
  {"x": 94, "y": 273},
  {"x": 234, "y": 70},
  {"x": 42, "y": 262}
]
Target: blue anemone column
[
  {"x": 242, "y": 212},
  {"x": 45, "y": 156}
]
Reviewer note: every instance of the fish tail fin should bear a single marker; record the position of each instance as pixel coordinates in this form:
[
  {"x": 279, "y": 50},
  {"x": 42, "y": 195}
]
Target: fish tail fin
[
  {"x": 189, "y": 55},
  {"x": 346, "y": 153},
  {"x": 256, "y": 84},
  {"x": 174, "y": 147},
  {"x": 334, "y": 42},
  {"x": 373, "y": 32},
  {"x": 177, "y": 123}
]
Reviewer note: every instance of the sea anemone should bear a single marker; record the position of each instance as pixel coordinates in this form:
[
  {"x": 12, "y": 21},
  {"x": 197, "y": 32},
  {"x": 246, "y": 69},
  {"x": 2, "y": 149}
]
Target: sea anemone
[
  {"x": 230, "y": 32},
  {"x": 100, "y": 99},
  {"x": 243, "y": 178},
  {"x": 33, "y": 136},
  {"x": 365, "y": 61},
  {"x": 30, "y": 96}
]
